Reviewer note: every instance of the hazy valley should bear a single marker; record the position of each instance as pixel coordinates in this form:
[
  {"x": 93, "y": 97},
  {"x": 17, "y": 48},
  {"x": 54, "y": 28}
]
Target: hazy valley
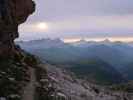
[{"x": 102, "y": 62}]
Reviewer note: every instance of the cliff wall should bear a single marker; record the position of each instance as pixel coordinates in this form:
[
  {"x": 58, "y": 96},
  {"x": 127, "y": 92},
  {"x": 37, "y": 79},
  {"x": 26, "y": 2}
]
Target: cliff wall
[{"x": 12, "y": 14}]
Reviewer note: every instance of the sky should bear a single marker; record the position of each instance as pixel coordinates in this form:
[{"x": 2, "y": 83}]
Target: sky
[{"x": 80, "y": 19}]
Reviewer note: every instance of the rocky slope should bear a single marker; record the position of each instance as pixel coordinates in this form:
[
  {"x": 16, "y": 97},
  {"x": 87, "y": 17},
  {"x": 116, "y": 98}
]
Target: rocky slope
[
  {"x": 14, "y": 75},
  {"x": 63, "y": 85}
]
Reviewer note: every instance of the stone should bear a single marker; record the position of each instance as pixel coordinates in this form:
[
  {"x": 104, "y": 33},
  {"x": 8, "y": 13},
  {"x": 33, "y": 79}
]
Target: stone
[{"x": 12, "y": 14}]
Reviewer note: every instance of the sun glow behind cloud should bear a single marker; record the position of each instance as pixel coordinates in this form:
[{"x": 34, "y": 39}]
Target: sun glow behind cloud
[
  {"x": 34, "y": 27},
  {"x": 99, "y": 24},
  {"x": 42, "y": 26},
  {"x": 94, "y": 27},
  {"x": 80, "y": 18}
]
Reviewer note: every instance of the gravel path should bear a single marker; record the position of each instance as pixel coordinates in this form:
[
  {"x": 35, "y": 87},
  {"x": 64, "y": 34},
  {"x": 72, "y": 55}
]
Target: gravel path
[{"x": 30, "y": 88}]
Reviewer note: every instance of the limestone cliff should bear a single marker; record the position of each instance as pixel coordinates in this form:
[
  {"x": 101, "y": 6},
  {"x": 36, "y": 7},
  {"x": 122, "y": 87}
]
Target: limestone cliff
[{"x": 12, "y": 14}]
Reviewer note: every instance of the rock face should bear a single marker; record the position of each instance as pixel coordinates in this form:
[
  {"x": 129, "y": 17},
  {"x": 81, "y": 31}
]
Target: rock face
[{"x": 12, "y": 14}]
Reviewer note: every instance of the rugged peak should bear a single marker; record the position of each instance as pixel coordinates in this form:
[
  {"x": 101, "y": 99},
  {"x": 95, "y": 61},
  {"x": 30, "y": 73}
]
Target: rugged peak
[{"x": 12, "y": 14}]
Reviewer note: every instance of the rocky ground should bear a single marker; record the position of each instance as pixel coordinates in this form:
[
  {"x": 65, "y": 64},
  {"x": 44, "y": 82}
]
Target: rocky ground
[{"x": 67, "y": 86}]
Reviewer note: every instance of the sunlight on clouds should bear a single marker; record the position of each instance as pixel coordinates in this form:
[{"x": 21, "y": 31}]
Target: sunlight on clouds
[
  {"x": 42, "y": 26},
  {"x": 99, "y": 23},
  {"x": 84, "y": 26},
  {"x": 83, "y": 23},
  {"x": 122, "y": 39},
  {"x": 34, "y": 27}
]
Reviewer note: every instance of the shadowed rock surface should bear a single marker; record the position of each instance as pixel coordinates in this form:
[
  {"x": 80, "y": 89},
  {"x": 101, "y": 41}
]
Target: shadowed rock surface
[
  {"x": 14, "y": 68},
  {"x": 12, "y": 14}
]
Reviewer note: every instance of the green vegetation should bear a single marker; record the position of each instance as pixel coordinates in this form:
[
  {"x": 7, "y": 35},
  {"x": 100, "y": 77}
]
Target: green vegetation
[{"x": 96, "y": 71}]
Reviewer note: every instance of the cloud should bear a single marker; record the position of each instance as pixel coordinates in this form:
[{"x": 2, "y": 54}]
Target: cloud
[
  {"x": 98, "y": 25},
  {"x": 61, "y": 9},
  {"x": 92, "y": 18}
]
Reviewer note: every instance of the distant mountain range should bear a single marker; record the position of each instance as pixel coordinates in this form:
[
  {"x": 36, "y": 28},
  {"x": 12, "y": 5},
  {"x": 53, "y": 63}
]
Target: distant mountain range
[{"x": 101, "y": 62}]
